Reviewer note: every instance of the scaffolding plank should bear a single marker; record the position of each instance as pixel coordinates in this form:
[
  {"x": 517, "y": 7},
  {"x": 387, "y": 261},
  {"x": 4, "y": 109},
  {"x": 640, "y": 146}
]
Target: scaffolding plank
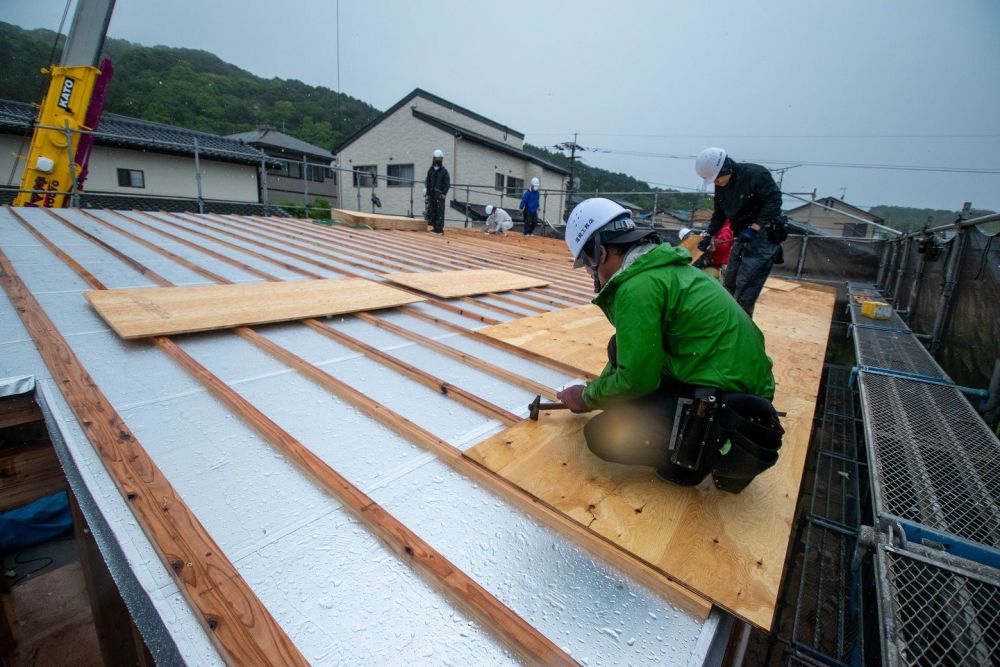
[
  {"x": 379, "y": 221},
  {"x": 161, "y": 311},
  {"x": 468, "y": 282},
  {"x": 729, "y": 548}
]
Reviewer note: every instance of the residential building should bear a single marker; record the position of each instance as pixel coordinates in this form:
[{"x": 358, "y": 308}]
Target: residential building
[
  {"x": 836, "y": 217},
  {"x": 141, "y": 164},
  {"x": 487, "y": 162},
  {"x": 303, "y": 172}
]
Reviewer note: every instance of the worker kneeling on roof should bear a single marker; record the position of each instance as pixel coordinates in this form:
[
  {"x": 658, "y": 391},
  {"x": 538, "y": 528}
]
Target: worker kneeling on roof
[{"x": 688, "y": 386}]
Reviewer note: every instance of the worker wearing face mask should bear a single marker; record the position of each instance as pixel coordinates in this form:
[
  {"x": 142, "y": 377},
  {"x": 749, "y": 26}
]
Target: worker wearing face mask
[
  {"x": 529, "y": 207},
  {"x": 437, "y": 183}
]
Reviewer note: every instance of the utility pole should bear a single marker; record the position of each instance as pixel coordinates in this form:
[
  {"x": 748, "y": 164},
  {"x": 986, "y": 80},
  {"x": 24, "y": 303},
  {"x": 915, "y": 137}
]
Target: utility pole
[
  {"x": 781, "y": 173},
  {"x": 572, "y": 147}
]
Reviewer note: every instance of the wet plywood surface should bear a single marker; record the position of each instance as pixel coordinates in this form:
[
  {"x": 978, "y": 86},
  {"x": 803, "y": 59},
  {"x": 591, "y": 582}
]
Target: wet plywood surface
[
  {"x": 729, "y": 548},
  {"x": 161, "y": 311},
  {"x": 452, "y": 284}
]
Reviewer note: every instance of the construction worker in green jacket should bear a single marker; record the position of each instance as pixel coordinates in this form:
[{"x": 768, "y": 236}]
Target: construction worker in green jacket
[{"x": 688, "y": 385}]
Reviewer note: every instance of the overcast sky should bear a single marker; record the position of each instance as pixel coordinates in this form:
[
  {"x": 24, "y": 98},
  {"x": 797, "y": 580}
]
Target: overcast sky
[{"x": 910, "y": 83}]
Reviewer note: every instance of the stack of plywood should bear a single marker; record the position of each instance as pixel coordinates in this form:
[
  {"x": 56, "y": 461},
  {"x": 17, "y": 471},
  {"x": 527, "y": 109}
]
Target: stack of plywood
[{"x": 378, "y": 221}]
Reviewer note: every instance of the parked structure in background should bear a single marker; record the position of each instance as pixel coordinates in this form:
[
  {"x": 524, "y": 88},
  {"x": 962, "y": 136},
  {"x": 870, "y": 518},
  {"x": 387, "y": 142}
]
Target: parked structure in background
[
  {"x": 486, "y": 160},
  {"x": 141, "y": 164},
  {"x": 836, "y": 217},
  {"x": 303, "y": 172}
]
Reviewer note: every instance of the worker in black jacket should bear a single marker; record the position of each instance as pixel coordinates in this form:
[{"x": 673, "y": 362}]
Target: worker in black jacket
[
  {"x": 746, "y": 194},
  {"x": 436, "y": 197}
]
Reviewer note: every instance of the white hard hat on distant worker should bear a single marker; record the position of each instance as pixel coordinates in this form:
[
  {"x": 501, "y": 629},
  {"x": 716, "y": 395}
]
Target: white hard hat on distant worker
[
  {"x": 489, "y": 209},
  {"x": 605, "y": 221},
  {"x": 535, "y": 183},
  {"x": 439, "y": 153},
  {"x": 709, "y": 163},
  {"x": 683, "y": 232}
]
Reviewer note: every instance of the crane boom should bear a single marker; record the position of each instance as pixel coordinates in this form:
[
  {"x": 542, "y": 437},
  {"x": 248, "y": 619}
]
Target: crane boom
[{"x": 51, "y": 166}]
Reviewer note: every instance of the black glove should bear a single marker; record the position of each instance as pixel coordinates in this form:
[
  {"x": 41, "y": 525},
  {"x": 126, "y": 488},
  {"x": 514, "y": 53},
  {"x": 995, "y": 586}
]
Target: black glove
[
  {"x": 705, "y": 243},
  {"x": 747, "y": 235}
]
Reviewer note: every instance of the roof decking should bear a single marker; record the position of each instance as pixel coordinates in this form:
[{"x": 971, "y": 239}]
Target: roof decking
[{"x": 334, "y": 590}]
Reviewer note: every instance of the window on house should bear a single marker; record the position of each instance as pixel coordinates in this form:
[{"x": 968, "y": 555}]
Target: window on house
[
  {"x": 294, "y": 169},
  {"x": 399, "y": 175},
  {"x": 317, "y": 173},
  {"x": 366, "y": 176},
  {"x": 498, "y": 182},
  {"x": 515, "y": 186},
  {"x": 131, "y": 178},
  {"x": 280, "y": 170}
]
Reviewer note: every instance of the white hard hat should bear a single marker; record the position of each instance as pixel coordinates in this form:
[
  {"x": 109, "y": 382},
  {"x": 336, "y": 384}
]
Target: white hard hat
[
  {"x": 439, "y": 153},
  {"x": 489, "y": 209},
  {"x": 683, "y": 232},
  {"x": 588, "y": 217},
  {"x": 709, "y": 163},
  {"x": 535, "y": 182}
]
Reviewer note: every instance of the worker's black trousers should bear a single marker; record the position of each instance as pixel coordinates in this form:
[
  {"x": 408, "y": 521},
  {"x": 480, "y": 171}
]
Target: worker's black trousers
[
  {"x": 748, "y": 268},
  {"x": 435, "y": 213},
  {"x": 530, "y": 220}
]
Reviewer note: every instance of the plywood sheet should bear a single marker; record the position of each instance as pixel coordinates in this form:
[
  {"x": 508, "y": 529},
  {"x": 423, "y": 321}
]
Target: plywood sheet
[
  {"x": 161, "y": 311},
  {"x": 781, "y": 285},
  {"x": 729, "y": 548},
  {"x": 576, "y": 336},
  {"x": 451, "y": 284},
  {"x": 378, "y": 221}
]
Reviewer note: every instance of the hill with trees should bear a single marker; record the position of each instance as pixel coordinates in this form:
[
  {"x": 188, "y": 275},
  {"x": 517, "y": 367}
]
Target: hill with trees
[{"x": 907, "y": 219}]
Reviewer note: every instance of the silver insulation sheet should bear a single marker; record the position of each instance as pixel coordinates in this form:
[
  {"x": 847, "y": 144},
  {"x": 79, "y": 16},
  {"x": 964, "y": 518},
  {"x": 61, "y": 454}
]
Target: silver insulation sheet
[{"x": 335, "y": 590}]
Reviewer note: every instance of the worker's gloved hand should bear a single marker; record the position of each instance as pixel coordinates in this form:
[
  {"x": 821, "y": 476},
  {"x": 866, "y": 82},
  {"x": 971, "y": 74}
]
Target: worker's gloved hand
[
  {"x": 572, "y": 398},
  {"x": 705, "y": 243},
  {"x": 747, "y": 235}
]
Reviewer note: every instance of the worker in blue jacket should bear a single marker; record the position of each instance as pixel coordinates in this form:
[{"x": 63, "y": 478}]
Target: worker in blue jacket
[{"x": 529, "y": 207}]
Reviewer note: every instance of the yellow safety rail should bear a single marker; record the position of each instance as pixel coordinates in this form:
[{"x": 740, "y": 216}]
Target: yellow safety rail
[{"x": 49, "y": 172}]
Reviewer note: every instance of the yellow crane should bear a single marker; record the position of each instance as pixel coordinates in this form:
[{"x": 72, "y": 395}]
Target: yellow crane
[{"x": 52, "y": 167}]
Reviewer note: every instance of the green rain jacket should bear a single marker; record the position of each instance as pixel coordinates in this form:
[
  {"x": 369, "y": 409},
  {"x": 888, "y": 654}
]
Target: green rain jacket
[{"x": 674, "y": 320}]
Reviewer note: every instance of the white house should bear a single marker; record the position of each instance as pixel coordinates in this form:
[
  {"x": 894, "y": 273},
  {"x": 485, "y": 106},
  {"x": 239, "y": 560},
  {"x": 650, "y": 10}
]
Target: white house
[
  {"x": 836, "y": 217},
  {"x": 390, "y": 156},
  {"x": 141, "y": 164}
]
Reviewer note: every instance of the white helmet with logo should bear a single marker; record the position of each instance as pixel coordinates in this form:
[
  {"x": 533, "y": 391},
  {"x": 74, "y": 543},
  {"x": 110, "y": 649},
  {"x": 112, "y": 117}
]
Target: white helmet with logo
[
  {"x": 439, "y": 153},
  {"x": 709, "y": 163},
  {"x": 489, "y": 209},
  {"x": 612, "y": 220}
]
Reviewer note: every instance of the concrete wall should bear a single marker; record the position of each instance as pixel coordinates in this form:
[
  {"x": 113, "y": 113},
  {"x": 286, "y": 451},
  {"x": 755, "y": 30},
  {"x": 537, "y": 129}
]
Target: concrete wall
[
  {"x": 165, "y": 175},
  {"x": 402, "y": 139}
]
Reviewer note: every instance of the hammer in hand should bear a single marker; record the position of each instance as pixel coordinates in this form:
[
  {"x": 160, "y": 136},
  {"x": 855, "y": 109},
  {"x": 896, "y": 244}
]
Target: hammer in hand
[{"x": 537, "y": 405}]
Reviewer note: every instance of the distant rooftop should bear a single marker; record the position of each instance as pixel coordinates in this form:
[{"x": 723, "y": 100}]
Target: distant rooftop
[
  {"x": 126, "y": 132},
  {"x": 268, "y": 137}
]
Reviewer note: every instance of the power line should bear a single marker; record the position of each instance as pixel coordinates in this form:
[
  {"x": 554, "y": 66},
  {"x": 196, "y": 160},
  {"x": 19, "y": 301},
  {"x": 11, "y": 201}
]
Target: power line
[
  {"x": 777, "y": 136},
  {"x": 840, "y": 165}
]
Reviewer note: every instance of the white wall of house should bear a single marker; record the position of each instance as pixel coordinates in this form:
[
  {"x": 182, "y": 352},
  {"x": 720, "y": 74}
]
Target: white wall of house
[
  {"x": 172, "y": 175},
  {"x": 401, "y": 139},
  {"x": 163, "y": 175},
  {"x": 831, "y": 222},
  {"x": 444, "y": 113}
]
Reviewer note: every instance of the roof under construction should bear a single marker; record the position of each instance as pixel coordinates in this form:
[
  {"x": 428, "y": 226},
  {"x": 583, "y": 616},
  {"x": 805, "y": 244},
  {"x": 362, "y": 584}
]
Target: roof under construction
[{"x": 347, "y": 488}]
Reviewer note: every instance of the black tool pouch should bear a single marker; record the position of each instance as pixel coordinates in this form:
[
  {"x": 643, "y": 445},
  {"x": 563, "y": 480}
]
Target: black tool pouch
[
  {"x": 777, "y": 229},
  {"x": 692, "y": 434},
  {"x": 747, "y": 436}
]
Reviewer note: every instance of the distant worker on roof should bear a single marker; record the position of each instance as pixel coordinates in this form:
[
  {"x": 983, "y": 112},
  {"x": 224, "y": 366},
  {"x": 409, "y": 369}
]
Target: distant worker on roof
[
  {"x": 529, "y": 207},
  {"x": 745, "y": 194},
  {"x": 498, "y": 220},
  {"x": 687, "y": 388},
  {"x": 438, "y": 182}
]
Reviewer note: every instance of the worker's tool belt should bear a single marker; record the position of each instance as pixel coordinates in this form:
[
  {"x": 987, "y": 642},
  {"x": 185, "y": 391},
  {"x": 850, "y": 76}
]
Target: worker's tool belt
[
  {"x": 777, "y": 229},
  {"x": 735, "y": 436}
]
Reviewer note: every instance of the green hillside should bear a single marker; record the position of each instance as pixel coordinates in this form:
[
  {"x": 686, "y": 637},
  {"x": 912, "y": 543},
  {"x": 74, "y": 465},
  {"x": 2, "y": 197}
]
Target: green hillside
[
  {"x": 907, "y": 219},
  {"x": 189, "y": 88}
]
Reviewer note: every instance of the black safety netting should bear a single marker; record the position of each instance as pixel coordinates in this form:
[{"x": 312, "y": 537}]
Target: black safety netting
[{"x": 970, "y": 340}]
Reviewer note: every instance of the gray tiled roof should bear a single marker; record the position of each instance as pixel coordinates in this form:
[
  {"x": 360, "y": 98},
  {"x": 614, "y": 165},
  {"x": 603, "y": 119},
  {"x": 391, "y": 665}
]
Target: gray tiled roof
[
  {"x": 125, "y": 132},
  {"x": 273, "y": 139}
]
